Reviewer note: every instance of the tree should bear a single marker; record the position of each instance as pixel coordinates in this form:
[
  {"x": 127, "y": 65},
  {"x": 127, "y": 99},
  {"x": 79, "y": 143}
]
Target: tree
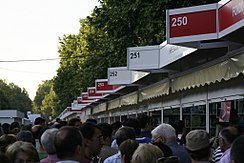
[
  {"x": 46, "y": 101},
  {"x": 67, "y": 83},
  {"x": 14, "y": 98},
  {"x": 49, "y": 105},
  {"x": 43, "y": 89}
]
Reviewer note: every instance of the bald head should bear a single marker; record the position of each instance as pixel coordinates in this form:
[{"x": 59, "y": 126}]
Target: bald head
[{"x": 66, "y": 141}]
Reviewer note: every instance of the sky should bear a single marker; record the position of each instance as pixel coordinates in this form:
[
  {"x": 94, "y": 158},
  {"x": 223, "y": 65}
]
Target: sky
[{"x": 30, "y": 30}]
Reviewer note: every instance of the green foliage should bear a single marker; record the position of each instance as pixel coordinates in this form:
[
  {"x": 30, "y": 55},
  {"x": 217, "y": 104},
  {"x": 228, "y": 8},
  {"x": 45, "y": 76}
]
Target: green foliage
[
  {"x": 49, "y": 105},
  {"x": 104, "y": 38},
  {"x": 67, "y": 83},
  {"x": 46, "y": 101},
  {"x": 43, "y": 89},
  {"x": 14, "y": 98}
]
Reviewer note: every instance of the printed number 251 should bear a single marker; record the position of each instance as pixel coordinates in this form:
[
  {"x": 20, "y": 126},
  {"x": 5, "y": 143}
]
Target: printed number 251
[{"x": 134, "y": 55}]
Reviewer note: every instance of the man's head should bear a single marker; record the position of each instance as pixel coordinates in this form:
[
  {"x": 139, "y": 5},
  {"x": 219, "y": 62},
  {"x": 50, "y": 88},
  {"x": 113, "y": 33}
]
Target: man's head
[
  {"x": 237, "y": 148},
  {"x": 69, "y": 144},
  {"x": 47, "y": 140},
  {"x": 164, "y": 133},
  {"x": 226, "y": 136},
  {"x": 25, "y": 136},
  {"x": 93, "y": 138},
  {"x": 145, "y": 122},
  {"x": 106, "y": 132},
  {"x": 124, "y": 133},
  {"x": 134, "y": 123},
  {"x": 74, "y": 122},
  {"x": 39, "y": 121},
  {"x": 91, "y": 120},
  {"x": 198, "y": 145}
]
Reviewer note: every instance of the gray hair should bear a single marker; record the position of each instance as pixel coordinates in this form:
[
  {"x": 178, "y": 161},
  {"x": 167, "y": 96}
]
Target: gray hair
[
  {"x": 147, "y": 153},
  {"x": 20, "y": 146},
  {"x": 165, "y": 130},
  {"x": 124, "y": 133},
  {"x": 47, "y": 140}
]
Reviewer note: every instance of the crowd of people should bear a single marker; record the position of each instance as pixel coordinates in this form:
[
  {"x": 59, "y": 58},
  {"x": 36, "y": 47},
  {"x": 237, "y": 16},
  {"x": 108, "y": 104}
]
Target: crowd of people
[{"x": 134, "y": 140}]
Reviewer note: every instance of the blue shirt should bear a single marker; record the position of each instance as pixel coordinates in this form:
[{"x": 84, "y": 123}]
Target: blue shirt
[
  {"x": 143, "y": 140},
  {"x": 179, "y": 151},
  {"x": 113, "y": 159}
]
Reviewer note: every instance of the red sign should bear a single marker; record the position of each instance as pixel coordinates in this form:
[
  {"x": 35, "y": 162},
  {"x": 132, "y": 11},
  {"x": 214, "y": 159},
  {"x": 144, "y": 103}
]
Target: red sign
[
  {"x": 195, "y": 23},
  {"x": 102, "y": 86},
  {"x": 93, "y": 94},
  {"x": 80, "y": 101},
  {"x": 68, "y": 108},
  {"x": 85, "y": 96},
  {"x": 230, "y": 14},
  {"x": 86, "y": 99},
  {"x": 192, "y": 24}
]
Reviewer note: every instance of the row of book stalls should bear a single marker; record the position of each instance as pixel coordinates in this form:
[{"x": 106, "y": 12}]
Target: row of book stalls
[{"x": 196, "y": 76}]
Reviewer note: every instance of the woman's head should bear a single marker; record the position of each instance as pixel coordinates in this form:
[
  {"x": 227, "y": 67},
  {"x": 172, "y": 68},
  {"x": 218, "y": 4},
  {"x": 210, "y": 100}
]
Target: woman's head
[
  {"x": 147, "y": 153},
  {"x": 127, "y": 149},
  {"x": 6, "y": 140},
  {"x": 20, "y": 151}
]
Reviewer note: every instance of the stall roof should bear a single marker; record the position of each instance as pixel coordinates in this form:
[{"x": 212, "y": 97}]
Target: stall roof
[{"x": 227, "y": 69}]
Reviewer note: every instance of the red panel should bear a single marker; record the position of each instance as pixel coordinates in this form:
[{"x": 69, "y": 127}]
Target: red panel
[
  {"x": 92, "y": 92},
  {"x": 79, "y": 101},
  {"x": 231, "y": 13},
  {"x": 103, "y": 86},
  {"x": 195, "y": 23},
  {"x": 85, "y": 96}
]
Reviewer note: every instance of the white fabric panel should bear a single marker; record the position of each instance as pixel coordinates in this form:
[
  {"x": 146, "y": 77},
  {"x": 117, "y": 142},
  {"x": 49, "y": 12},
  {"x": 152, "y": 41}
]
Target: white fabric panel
[
  {"x": 88, "y": 111},
  {"x": 225, "y": 70},
  {"x": 153, "y": 106},
  {"x": 129, "y": 99},
  {"x": 172, "y": 100},
  {"x": 99, "y": 108},
  {"x": 230, "y": 89},
  {"x": 83, "y": 114},
  {"x": 194, "y": 95},
  {"x": 114, "y": 104},
  {"x": 155, "y": 90}
]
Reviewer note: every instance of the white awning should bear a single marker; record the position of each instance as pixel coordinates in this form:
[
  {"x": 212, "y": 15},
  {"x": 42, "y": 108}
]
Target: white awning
[
  {"x": 154, "y": 90},
  {"x": 99, "y": 108},
  {"x": 129, "y": 99},
  {"x": 114, "y": 104},
  {"x": 226, "y": 70}
]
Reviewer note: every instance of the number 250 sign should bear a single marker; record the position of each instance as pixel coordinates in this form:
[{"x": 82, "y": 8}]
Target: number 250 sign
[{"x": 192, "y": 24}]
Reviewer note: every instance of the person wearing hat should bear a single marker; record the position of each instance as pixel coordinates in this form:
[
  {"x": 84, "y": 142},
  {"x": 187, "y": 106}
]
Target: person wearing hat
[{"x": 198, "y": 146}]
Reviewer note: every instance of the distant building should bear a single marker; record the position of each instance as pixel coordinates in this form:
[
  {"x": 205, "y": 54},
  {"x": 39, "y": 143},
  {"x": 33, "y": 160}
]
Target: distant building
[
  {"x": 32, "y": 117},
  {"x": 9, "y": 116}
]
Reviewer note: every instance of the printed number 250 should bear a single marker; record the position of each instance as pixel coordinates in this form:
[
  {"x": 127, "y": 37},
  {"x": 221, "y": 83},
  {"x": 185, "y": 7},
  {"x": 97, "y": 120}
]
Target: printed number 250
[
  {"x": 134, "y": 55},
  {"x": 179, "y": 21}
]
